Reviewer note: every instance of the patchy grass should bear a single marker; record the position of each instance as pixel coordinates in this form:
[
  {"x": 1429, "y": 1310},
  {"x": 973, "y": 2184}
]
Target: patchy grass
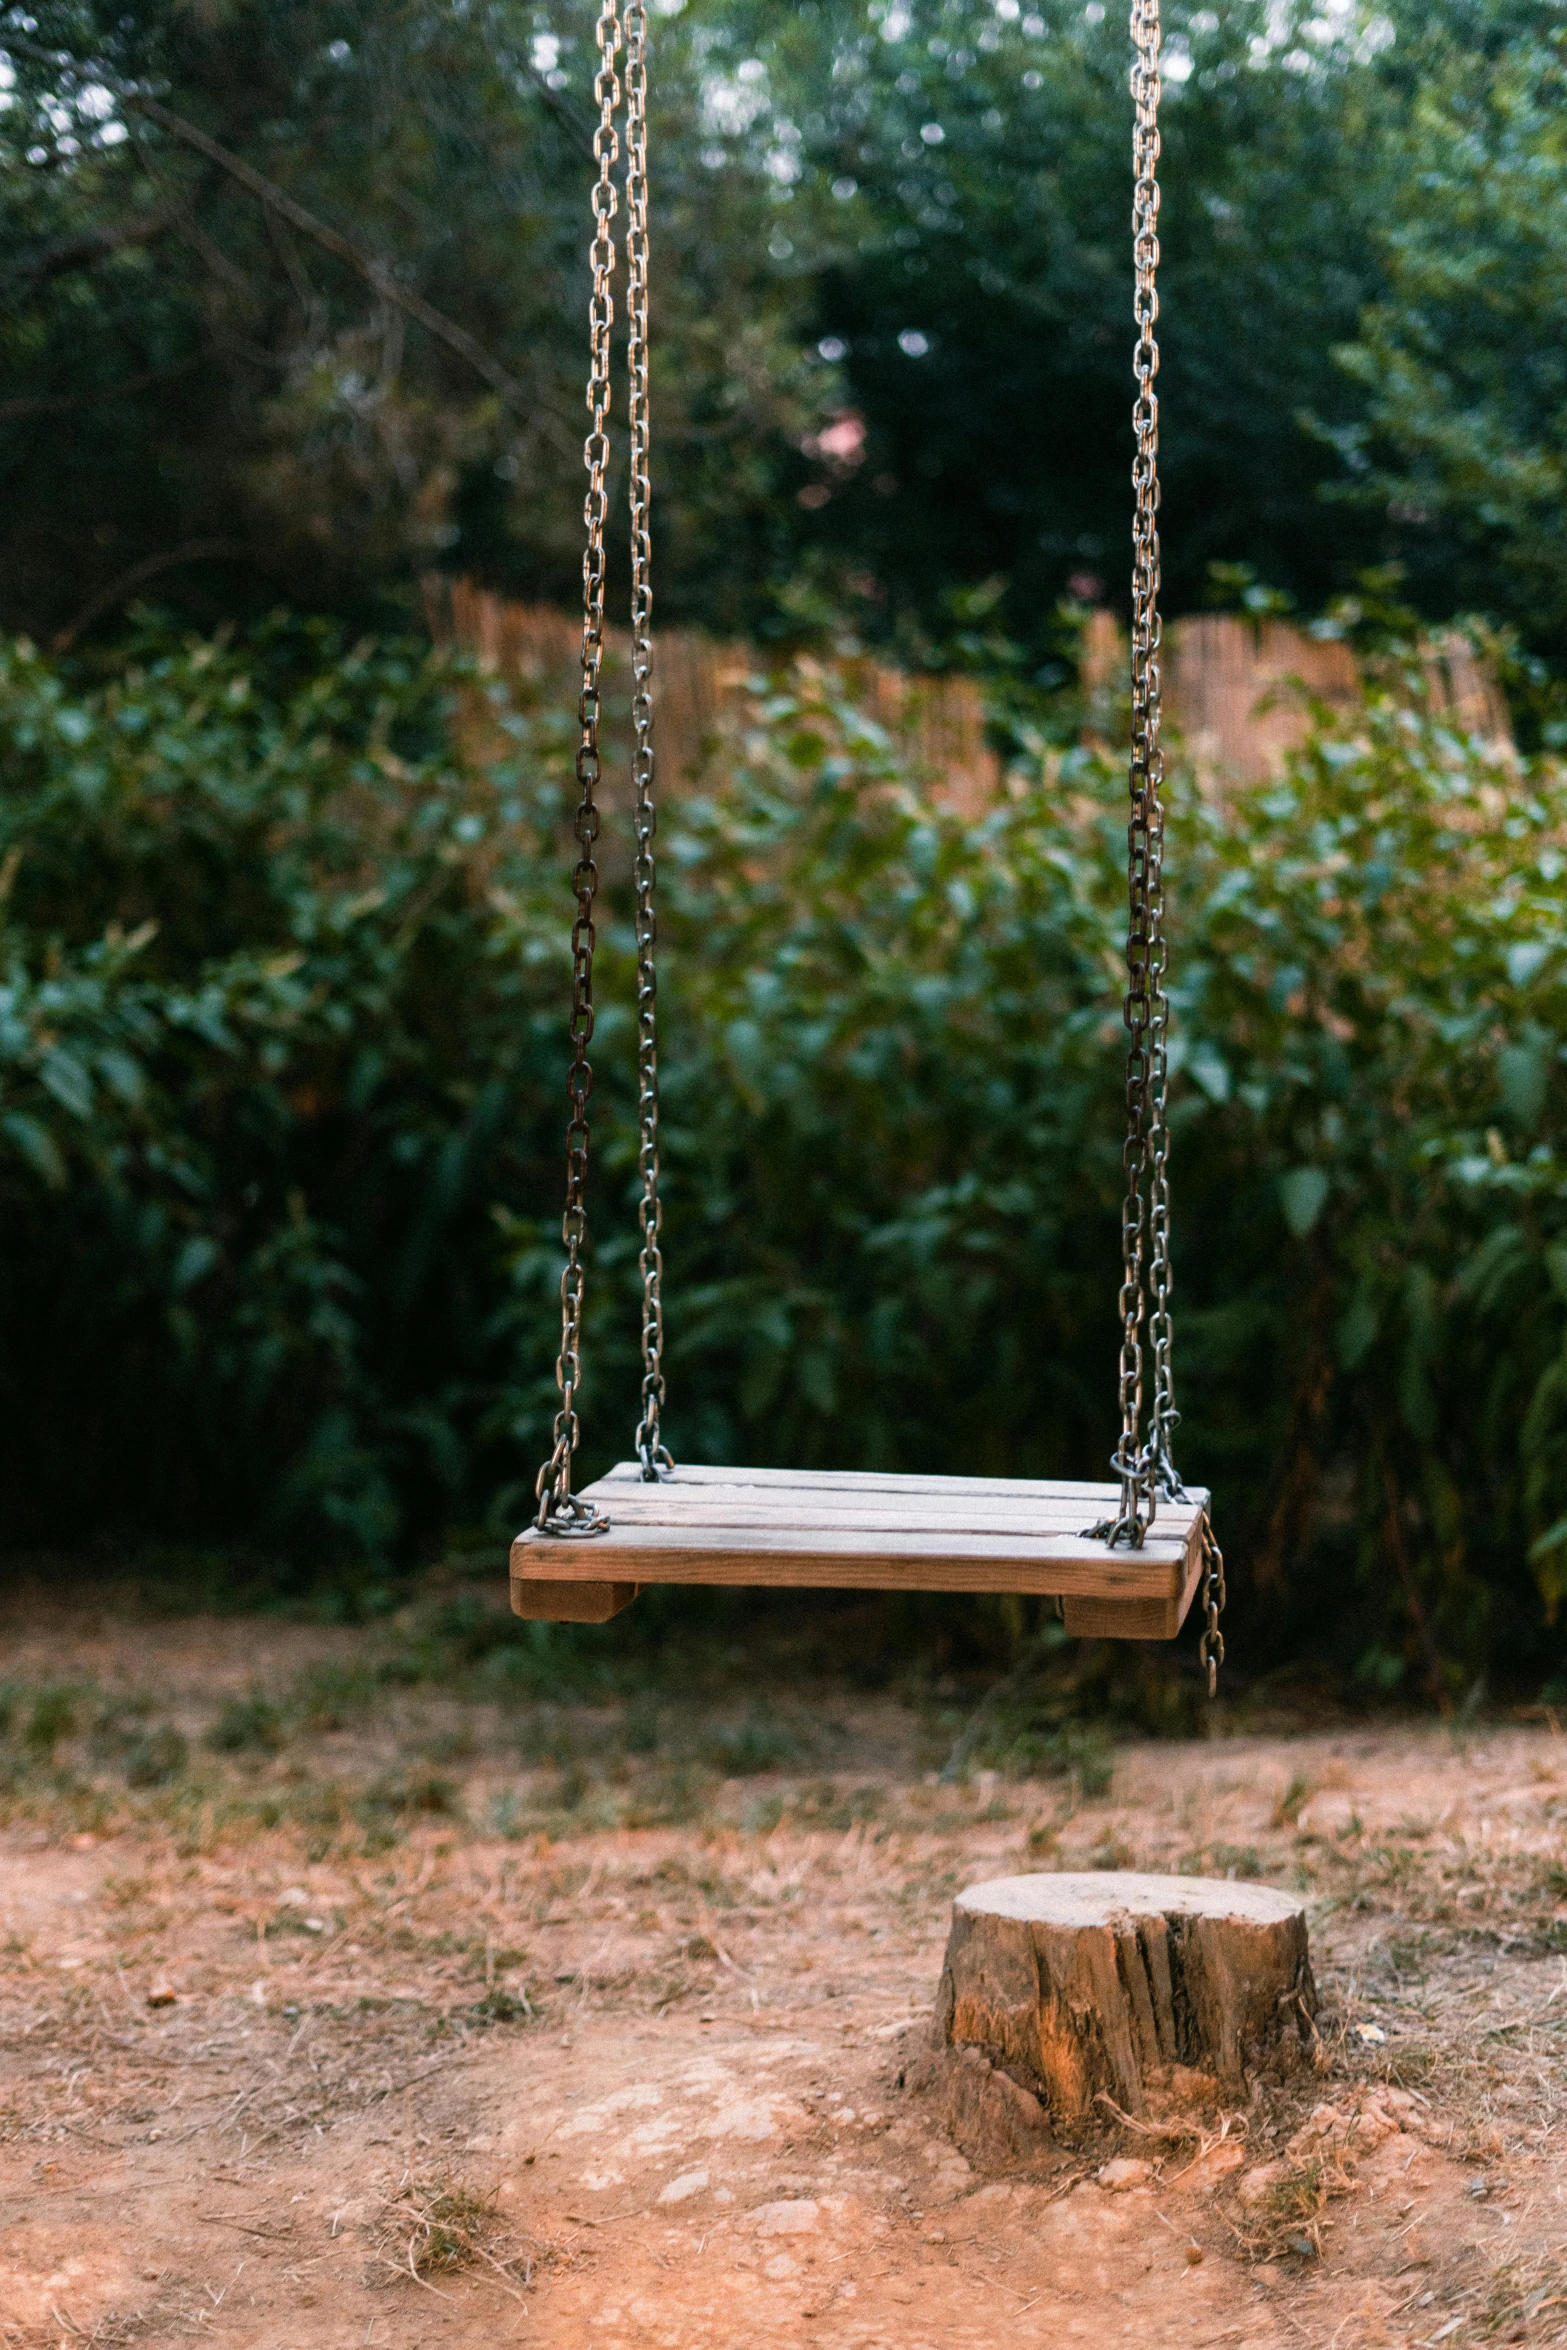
[
  {"x": 380, "y": 1893},
  {"x": 1287, "y": 2224},
  {"x": 247, "y": 1725},
  {"x": 431, "y": 2227},
  {"x": 1522, "y": 2300}
]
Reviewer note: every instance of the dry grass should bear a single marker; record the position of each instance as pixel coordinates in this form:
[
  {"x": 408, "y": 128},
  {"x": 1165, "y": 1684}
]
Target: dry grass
[
  {"x": 385, "y": 1877},
  {"x": 1288, "y": 2222},
  {"x": 432, "y": 2227}
]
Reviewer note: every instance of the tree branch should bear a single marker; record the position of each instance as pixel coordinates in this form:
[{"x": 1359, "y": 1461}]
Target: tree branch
[
  {"x": 64, "y": 403},
  {"x": 375, "y": 275},
  {"x": 379, "y": 279},
  {"x": 193, "y": 551},
  {"x": 90, "y": 246}
]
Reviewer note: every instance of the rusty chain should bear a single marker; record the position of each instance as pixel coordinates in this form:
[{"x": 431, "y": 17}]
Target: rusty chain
[
  {"x": 1145, "y": 1009},
  {"x": 560, "y": 1511},
  {"x": 1146, "y": 1465},
  {"x": 651, "y": 1449}
]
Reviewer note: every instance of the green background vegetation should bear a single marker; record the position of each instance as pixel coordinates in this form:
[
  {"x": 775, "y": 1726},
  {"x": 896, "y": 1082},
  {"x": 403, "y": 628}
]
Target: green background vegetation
[
  {"x": 281, "y": 1014},
  {"x": 916, "y": 210},
  {"x": 281, "y": 1048}
]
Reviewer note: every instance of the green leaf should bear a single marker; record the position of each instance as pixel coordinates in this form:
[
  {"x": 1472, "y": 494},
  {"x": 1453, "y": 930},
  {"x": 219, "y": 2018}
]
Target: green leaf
[
  {"x": 1357, "y": 1332},
  {"x": 1303, "y": 1194},
  {"x": 63, "y": 1076},
  {"x": 1522, "y": 1072},
  {"x": 1211, "y": 1071},
  {"x": 1556, "y": 1267},
  {"x": 1525, "y": 959},
  {"x": 37, "y": 1147},
  {"x": 195, "y": 1260},
  {"x": 1546, "y": 1545}
]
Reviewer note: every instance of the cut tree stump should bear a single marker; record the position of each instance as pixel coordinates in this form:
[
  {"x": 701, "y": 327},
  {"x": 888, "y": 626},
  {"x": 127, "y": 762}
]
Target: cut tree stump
[{"x": 1117, "y": 1990}]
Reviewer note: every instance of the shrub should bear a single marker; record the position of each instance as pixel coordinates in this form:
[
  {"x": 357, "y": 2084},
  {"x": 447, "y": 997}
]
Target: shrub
[
  {"x": 895, "y": 1139},
  {"x": 282, "y": 1105},
  {"x": 267, "y": 1066}
]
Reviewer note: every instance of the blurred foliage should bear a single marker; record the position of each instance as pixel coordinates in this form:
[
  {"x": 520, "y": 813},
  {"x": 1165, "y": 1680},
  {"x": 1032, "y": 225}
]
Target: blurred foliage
[
  {"x": 197, "y": 388},
  {"x": 264, "y": 1037},
  {"x": 1360, "y": 295},
  {"x": 1464, "y": 352},
  {"x": 892, "y": 328},
  {"x": 281, "y": 1105}
]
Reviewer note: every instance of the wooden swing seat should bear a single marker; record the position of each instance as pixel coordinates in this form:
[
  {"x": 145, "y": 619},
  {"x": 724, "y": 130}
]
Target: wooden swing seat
[{"x": 862, "y": 1531}]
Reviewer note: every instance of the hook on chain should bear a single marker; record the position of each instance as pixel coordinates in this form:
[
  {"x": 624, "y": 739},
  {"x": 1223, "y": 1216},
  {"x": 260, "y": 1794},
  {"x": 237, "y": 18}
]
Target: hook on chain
[
  {"x": 1128, "y": 1529},
  {"x": 565, "y": 1515}
]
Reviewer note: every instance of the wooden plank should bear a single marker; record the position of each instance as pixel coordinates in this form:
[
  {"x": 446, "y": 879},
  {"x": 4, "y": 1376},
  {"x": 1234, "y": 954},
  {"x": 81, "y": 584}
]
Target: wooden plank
[
  {"x": 540, "y": 1600},
  {"x": 802, "y": 1558},
  {"x": 862, "y": 1481},
  {"x": 1134, "y": 1619},
  {"x": 952, "y": 1523},
  {"x": 698, "y": 1496},
  {"x": 1121, "y": 1619},
  {"x": 718, "y": 1505},
  {"x": 817, "y": 1570}
]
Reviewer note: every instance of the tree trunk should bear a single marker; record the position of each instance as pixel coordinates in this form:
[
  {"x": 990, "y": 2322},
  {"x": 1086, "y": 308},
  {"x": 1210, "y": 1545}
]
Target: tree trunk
[{"x": 1118, "y": 1986}]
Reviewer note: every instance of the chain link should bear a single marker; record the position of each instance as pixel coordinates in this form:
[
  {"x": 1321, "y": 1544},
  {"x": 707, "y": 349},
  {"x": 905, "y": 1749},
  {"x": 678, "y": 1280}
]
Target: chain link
[
  {"x": 1145, "y": 1009},
  {"x": 1210, "y": 1648},
  {"x": 1147, "y": 1469},
  {"x": 560, "y": 1511},
  {"x": 1147, "y": 636},
  {"x": 651, "y": 1449}
]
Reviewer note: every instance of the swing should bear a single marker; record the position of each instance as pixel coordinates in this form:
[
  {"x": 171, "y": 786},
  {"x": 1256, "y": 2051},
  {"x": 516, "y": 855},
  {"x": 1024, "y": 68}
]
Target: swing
[{"x": 1122, "y": 1559}]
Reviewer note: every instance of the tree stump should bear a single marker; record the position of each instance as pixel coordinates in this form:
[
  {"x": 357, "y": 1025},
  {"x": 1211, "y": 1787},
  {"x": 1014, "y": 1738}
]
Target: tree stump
[{"x": 1114, "y": 1986}]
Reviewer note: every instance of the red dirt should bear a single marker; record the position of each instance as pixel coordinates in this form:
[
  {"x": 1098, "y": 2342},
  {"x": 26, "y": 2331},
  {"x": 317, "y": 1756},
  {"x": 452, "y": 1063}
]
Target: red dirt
[{"x": 698, "y": 2137}]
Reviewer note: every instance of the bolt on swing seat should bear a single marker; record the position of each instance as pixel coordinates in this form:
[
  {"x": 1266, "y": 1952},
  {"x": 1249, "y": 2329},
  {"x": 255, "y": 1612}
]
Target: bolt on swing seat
[{"x": 1122, "y": 1559}]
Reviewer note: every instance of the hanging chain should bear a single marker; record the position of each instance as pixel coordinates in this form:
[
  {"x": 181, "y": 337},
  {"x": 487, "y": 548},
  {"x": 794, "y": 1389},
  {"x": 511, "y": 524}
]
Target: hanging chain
[
  {"x": 1147, "y": 1470},
  {"x": 1147, "y": 635},
  {"x": 1145, "y": 1006},
  {"x": 560, "y": 1511},
  {"x": 1210, "y": 1648},
  {"x": 651, "y": 1450}
]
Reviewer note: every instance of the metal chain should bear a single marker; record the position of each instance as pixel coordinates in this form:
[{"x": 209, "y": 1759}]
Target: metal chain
[
  {"x": 1210, "y": 1648},
  {"x": 1145, "y": 1007},
  {"x": 560, "y": 1511},
  {"x": 1147, "y": 1471},
  {"x": 1164, "y": 1479},
  {"x": 651, "y": 1449}
]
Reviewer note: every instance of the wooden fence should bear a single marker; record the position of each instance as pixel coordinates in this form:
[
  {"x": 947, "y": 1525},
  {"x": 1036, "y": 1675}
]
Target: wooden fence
[
  {"x": 1238, "y": 694},
  {"x": 937, "y": 722}
]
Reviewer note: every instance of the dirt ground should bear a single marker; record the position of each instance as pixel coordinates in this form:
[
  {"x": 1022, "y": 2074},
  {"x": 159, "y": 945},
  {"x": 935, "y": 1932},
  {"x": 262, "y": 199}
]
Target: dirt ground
[{"x": 354, "y": 1992}]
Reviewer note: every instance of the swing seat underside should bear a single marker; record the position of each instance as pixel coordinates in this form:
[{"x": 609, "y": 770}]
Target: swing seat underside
[{"x": 842, "y": 1530}]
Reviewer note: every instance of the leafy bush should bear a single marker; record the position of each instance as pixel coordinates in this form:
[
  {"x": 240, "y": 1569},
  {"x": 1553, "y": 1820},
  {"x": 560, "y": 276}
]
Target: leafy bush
[
  {"x": 263, "y": 1039},
  {"x": 281, "y": 1099},
  {"x": 899, "y": 1243}
]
